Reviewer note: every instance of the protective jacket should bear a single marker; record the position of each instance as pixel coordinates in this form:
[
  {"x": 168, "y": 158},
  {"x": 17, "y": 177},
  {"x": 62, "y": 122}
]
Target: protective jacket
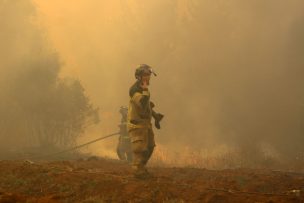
[{"x": 139, "y": 111}]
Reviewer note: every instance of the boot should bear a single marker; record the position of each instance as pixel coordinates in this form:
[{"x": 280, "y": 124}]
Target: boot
[{"x": 140, "y": 172}]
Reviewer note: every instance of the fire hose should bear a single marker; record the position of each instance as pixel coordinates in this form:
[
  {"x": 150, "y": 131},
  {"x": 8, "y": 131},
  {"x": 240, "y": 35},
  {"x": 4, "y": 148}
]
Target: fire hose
[{"x": 73, "y": 148}]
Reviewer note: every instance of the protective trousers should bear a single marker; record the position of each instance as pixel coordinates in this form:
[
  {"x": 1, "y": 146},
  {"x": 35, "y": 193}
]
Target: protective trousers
[
  {"x": 142, "y": 144},
  {"x": 124, "y": 151}
]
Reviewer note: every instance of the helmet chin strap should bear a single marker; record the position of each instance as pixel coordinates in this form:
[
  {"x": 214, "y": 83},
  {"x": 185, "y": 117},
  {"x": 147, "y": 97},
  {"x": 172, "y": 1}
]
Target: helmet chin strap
[{"x": 141, "y": 81}]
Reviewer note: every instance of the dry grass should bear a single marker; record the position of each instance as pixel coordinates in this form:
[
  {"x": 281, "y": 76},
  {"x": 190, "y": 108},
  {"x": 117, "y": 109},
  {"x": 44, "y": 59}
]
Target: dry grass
[{"x": 221, "y": 158}]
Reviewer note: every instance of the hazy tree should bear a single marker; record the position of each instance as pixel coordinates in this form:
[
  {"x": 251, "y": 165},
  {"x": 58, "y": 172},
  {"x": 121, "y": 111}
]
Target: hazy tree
[{"x": 37, "y": 107}]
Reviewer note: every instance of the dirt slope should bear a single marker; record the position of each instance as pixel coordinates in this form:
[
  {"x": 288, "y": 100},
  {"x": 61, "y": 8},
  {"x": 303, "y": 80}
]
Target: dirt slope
[{"x": 112, "y": 181}]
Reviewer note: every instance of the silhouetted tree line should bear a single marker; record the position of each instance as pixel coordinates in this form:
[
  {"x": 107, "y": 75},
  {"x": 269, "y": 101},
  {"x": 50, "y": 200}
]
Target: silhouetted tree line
[{"x": 37, "y": 107}]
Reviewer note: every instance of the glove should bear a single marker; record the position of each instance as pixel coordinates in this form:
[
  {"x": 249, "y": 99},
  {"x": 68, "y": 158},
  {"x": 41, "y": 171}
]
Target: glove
[{"x": 158, "y": 117}]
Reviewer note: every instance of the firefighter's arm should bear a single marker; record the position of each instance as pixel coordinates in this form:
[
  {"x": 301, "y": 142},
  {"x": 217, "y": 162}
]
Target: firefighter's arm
[
  {"x": 152, "y": 105},
  {"x": 141, "y": 99},
  {"x": 157, "y": 116}
]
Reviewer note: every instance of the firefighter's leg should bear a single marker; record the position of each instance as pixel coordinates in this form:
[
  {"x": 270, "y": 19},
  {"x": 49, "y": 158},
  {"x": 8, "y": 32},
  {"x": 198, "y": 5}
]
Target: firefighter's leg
[
  {"x": 120, "y": 151},
  {"x": 150, "y": 145},
  {"x": 139, "y": 149},
  {"x": 129, "y": 151}
]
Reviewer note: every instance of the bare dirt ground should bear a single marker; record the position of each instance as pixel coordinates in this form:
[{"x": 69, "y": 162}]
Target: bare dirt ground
[{"x": 102, "y": 180}]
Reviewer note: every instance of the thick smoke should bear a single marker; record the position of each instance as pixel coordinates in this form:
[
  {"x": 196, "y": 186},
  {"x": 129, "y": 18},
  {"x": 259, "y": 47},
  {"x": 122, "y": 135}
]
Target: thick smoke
[
  {"x": 229, "y": 72},
  {"x": 37, "y": 108}
]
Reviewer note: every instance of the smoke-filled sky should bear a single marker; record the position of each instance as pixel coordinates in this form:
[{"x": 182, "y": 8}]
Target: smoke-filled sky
[{"x": 229, "y": 72}]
